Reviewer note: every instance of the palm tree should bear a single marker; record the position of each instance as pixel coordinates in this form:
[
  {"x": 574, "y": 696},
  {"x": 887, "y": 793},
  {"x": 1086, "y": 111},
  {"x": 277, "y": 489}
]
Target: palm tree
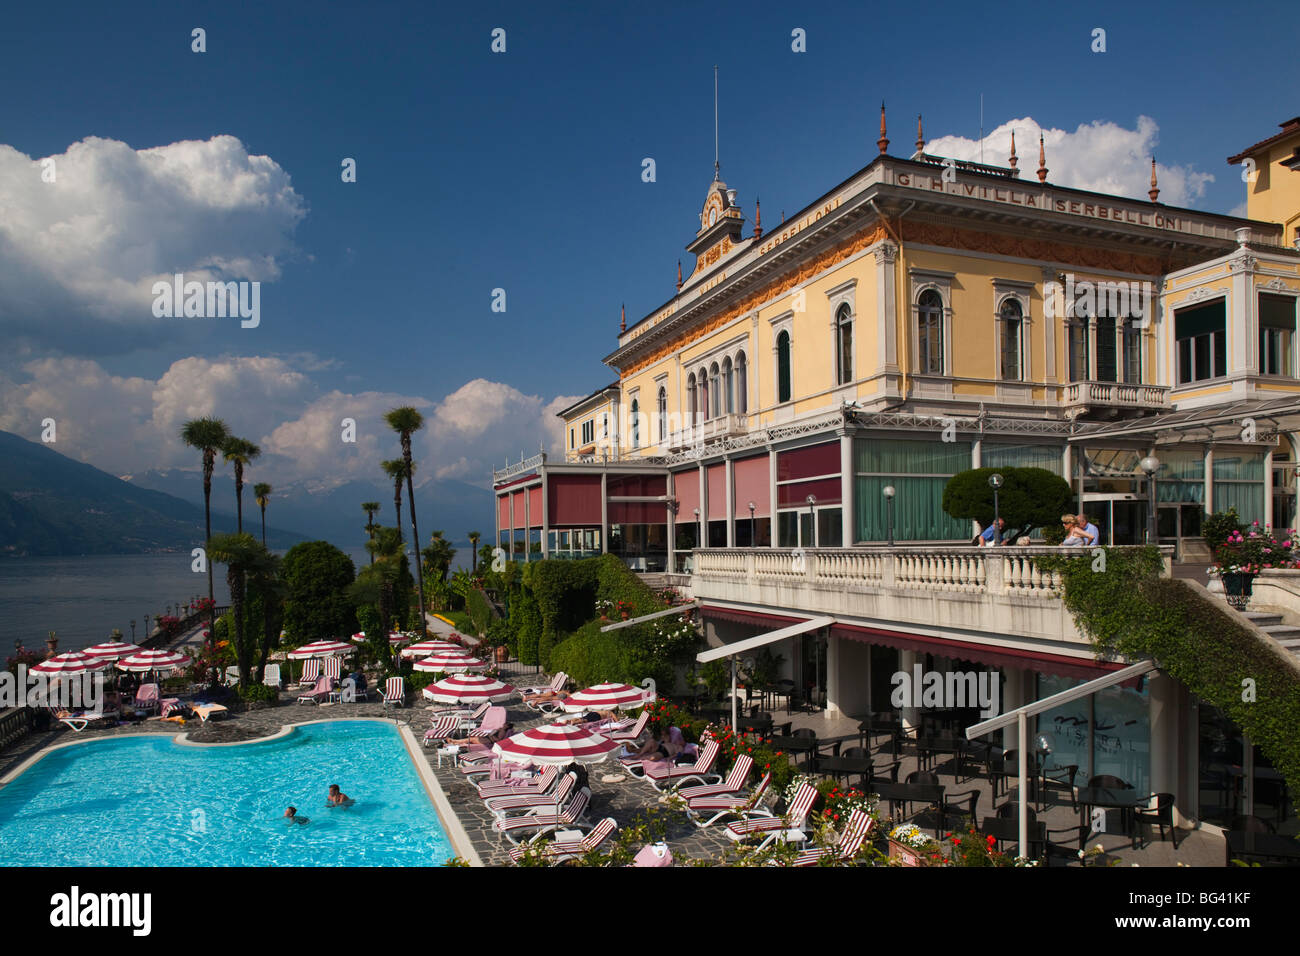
[
  {"x": 473, "y": 545},
  {"x": 262, "y": 495},
  {"x": 242, "y": 556},
  {"x": 370, "y": 508},
  {"x": 241, "y": 451},
  {"x": 208, "y": 435},
  {"x": 406, "y": 421},
  {"x": 395, "y": 469}
]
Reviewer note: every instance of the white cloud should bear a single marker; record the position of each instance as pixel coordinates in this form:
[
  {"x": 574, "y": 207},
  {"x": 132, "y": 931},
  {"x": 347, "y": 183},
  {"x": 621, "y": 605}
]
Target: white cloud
[
  {"x": 79, "y": 255},
  {"x": 1101, "y": 156}
]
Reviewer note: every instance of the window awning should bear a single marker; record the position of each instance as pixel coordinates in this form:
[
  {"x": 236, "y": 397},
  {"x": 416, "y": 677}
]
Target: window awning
[
  {"x": 747, "y": 616},
  {"x": 1213, "y": 423},
  {"x": 771, "y": 637}
]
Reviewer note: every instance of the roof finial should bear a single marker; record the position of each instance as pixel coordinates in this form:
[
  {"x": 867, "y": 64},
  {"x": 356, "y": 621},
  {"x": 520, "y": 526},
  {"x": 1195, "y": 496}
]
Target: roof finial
[
  {"x": 758, "y": 219},
  {"x": 1042, "y": 159},
  {"x": 883, "y": 143},
  {"x": 622, "y": 317},
  {"x": 717, "y": 167},
  {"x": 1012, "y": 161},
  {"x": 1154, "y": 191},
  {"x": 920, "y": 137},
  {"x": 679, "y": 275}
]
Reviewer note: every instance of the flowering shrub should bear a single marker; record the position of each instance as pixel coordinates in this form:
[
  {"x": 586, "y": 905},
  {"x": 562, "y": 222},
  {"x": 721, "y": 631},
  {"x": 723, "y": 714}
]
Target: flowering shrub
[
  {"x": 1250, "y": 550},
  {"x": 670, "y": 637},
  {"x": 22, "y": 656},
  {"x": 909, "y": 834}
]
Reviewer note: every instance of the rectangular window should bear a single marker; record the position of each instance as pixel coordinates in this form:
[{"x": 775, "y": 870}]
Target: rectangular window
[
  {"x": 572, "y": 444},
  {"x": 1132, "y": 354},
  {"x": 1201, "y": 342},
  {"x": 1107, "y": 360},
  {"x": 588, "y": 432},
  {"x": 931, "y": 332},
  {"x": 1011, "y": 350},
  {"x": 787, "y": 524},
  {"x": 1277, "y": 330},
  {"x": 1078, "y": 332}
]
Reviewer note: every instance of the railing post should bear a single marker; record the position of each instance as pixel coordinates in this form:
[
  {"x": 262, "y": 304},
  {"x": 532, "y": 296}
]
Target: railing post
[
  {"x": 993, "y": 566},
  {"x": 888, "y": 568}
]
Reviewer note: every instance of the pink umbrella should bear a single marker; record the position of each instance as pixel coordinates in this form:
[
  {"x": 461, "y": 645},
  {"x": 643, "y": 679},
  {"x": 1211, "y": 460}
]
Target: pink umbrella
[
  {"x": 111, "y": 650},
  {"x": 604, "y": 697},
  {"x": 69, "y": 662},
  {"x": 555, "y": 745},
  {"x": 451, "y": 662},
  {"x": 153, "y": 661},
  {"x": 320, "y": 649},
  {"x": 468, "y": 689},
  {"x": 424, "y": 648}
]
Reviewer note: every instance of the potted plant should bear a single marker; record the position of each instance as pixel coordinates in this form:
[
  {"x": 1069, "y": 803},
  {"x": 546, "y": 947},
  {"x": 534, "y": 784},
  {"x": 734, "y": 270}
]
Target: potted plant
[
  {"x": 1244, "y": 553},
  {"x": 911, "y": 847}
]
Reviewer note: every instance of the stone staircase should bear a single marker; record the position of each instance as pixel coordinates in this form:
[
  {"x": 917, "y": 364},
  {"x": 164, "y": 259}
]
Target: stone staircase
[{"x": 1274, "y": 622}]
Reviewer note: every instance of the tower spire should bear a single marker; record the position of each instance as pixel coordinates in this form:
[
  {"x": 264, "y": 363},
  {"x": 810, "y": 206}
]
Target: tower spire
[
  {"x": 622, "y": 317},
  {"x": 1013, "y": 160},
  {"x": 717, "y": 166},
  {"x": 758, "y": 219},
  {"x": 1042, "y": 159},
  {"x": 679, "y": 275},
  {"x": 882, "y": 143},
  {"x": 920, "y": 137},
  {"x": 1154, "y": 191}
]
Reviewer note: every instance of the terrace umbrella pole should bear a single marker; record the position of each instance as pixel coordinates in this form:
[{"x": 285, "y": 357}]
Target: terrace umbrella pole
[{"x": 733, "y": 693}]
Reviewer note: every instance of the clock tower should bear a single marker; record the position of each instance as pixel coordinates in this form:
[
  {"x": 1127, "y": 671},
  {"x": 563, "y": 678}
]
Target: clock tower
[{"x": 721, "y": 225}]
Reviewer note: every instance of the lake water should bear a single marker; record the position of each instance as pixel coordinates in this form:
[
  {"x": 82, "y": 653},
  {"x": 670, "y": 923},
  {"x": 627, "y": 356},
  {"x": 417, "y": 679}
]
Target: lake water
[{"x": 82, "y": 599}]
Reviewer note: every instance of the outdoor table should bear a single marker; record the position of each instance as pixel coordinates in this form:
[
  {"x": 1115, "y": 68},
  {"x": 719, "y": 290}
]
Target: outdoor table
[
  {"x": 807, "y": 746},
  {"x": 906, "y": 793},
  {"x": 760, "y": 725},
  {"x": 1110, "y": 798},
  {"x": 1007, "y": 830},
  {"x": 1247, "y": 846},
  {"x": 928, "y": 747},
  {"x": 847, "y": 767}
]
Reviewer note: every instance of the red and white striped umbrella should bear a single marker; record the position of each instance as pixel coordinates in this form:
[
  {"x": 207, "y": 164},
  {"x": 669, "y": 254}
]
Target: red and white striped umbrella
[
  {"x": 555, "y": 745},
  {"x": 69, "y": 662},
  {"x": 359, "y": 637},
  {"x": 153, "y": 661},
  {"x": 468, "y": 689},
  {"x": 425, "y": 648},
  {"x": 111, "y": 650},
  {"x": 452, "y": 662},
  {"x": 605, "y": 697},
  {"x": 320, "y": 649}
]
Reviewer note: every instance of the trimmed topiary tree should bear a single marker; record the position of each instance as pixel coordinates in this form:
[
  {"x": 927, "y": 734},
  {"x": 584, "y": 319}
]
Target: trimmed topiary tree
[
  {"x": 317, "y": 607},
  {"x": 1029, "y": 498}
]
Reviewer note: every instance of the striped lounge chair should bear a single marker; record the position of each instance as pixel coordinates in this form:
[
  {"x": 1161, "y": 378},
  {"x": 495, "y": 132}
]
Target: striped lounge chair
[
  {"x": 554, "y": 687},
  {"x": 443, "y": 727},
  {"x": 769, "y": 828},
  {"x": 848, "y": 845},
  {"x": 493, "y": 723},
  {"x": 310, "y": 673},
  {"x": 551, "y": 802},
  {"x": 539, "y": 784},
  {"x": 318, "y": 693},
  {"x": 725, "y": 805},
  {"x": 539, "y": 824},
  {"x": 701, "y": 770},
  {"x": 633, "y": 732},
  {"x": 147, "y": 698},
  {"x": 562, "y": 851},
  {"x": 734, "y": 783},
  {"x": 332, "y": 668},
  {"x": 394, "y": 692}
]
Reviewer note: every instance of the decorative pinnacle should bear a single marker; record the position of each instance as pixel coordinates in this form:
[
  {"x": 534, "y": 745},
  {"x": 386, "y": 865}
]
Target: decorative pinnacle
[
  {"x": 1154, "y": 191},
  {"x": 1042, "y": 160},
  {"x": 758, "y": 218},
  {"x": 882, "y": 143},
  {"x": 920, "y": 137},
  {"x": 1012, "y": 161},
  {"x": 622, "y": 318},
  {"x": 679, "y": 275}
]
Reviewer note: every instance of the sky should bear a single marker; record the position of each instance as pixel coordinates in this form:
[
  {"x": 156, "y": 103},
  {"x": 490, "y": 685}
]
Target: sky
[{"x": 518, "y": 170}]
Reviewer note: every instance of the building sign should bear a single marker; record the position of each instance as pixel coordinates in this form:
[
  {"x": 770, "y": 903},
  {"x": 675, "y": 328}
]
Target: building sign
[{"x": 791, "y": 229}]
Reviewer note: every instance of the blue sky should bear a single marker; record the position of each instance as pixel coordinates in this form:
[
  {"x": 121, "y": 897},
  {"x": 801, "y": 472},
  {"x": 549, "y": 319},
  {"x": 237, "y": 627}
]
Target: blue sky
[{"x": 522, "y": 171}]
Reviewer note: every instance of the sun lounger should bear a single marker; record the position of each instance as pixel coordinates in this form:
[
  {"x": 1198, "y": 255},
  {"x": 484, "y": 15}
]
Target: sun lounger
[
  {"x": 563, "y": 850},
  {"x": 726, "y": 805},
  {"x": 146, "y": 698},
  {"x": 542, "y": 823},
  {"x": 332, "y": 668},
  {"x": 734, "y": 783},
  {"x": 548, "y": 802},
  {"x": 206, "y": 712},
  {"x": 633, "y": 732},
  {"x": 271, "y": 676},
  {"x": 501, "y": 788},
  {"x": 769, "y": 828},
  {"x": 442, "y": 729},
  {"x": 394, "y": 692},
  {"x": 848, "y": 845},
  {"x": 77, "y": 720},
  {"x": 491, "y": 726},
  {"x": 554, "y": 687},
  {"x": 318, "y": 693},
  {"x": 310, "y": 673},
  {"x": 701, "y": 770}
]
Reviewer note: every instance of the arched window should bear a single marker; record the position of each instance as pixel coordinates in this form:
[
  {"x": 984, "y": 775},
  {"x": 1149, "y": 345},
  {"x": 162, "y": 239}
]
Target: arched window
[
  {"x": 636, "y": 424},
  {"x": 704, "y": 395},
  {"x": 729, "y": 384},
  {"x": 715, "y": 390},
  {"x": 1012, "y": 327},
  {"x": 783, "y": 367},
  {"x": 930, "y": 333},
  {"x": 663, "y": 413},
  {"x": 742, "y": 385},
  {"x": 693, "y": 400},
  {"x": 843, "y": 345}
]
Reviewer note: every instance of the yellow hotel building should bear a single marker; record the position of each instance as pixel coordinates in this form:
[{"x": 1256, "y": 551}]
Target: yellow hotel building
[{"x": 923, "y": 317}]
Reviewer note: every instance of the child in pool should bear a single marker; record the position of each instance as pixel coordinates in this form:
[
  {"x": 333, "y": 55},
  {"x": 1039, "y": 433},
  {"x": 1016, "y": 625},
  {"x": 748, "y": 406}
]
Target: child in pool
[
  {"x": 337, "y": 798},
  {"x": 292, "y": 816}
]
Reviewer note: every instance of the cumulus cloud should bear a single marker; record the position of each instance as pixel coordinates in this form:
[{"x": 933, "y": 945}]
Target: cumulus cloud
[
  {"x": 127, "y": 424},
  {"x": 86, "y": 233},
  {"x": 1101, "y": 156}
]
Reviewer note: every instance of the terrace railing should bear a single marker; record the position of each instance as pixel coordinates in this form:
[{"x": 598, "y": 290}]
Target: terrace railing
[{"x": 15, "y": 724}]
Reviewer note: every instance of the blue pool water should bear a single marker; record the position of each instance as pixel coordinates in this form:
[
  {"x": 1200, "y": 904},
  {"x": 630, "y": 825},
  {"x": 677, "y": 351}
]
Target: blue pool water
[{"x": 147, "y": 801}]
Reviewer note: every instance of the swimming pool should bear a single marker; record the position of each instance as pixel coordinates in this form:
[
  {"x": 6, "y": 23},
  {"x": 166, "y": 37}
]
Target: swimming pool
[{"x": 148, "y": 801}]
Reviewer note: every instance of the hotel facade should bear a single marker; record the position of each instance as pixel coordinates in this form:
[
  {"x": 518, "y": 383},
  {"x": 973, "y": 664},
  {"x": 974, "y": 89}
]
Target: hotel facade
[{"x": 921, "y": 318}]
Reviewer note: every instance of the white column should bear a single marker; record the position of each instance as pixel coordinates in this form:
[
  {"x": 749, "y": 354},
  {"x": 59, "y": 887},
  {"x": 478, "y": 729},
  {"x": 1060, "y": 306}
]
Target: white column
[
  {"x": 1165, "y": 717},
  {"x": 670, "y": 505},
  {"x": 907, "y": 664},
  {"x": 546, "y": 516},
  {"x": 848, "y": 510},
  {"x": 604, "y": 512},
  {"x": 512, "y": 526},
  {"x": 771, "y": 491},
  {"x": 730, "y": 477},
  {"x": 1209, "y": 479},
  {"x": 528, "y": 528},
  {"x": 833, "y": 678},
  {"x": 1268, "y": 487}
]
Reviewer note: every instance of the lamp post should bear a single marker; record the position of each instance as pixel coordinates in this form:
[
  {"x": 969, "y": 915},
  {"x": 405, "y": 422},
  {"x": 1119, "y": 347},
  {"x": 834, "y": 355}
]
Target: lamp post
[
  {"x": 995, "y": 482},
  {"x": 753, "y": 542},
  {"x": 889, "y": 492},
  {"x": 699, "y": 530},
  {"x": 133, "y": 631},
  {"x": 812, "y": 517},
  {"x": 146, "y": 625},
  {"x": 1151, "y": 464}
]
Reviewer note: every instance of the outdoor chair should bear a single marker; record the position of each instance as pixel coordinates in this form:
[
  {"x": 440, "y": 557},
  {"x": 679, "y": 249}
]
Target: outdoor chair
[
  {"x": 949, "y": 811},
  {"x": 1007, "y": 768},
  {"x": 788, "y": 827},
  {"x": 1251, "y": 824},
  {"x": 543, "y": 802},
  {"x": 1058, "y": 778},
  {"x": 725, "y": 805},
  {"x": 1011, "y": 811},
  {"x": 701, "y": 770},
  {"x": 848, "y": 845},
  {"x": 922, "y": 776},
  {"x": 1160, "y": 815},
  {"x": 310, "y": 673},
  {"x": 734, "y": 783},
  {"x": 271, "y": 676},
  {"x": 1108, "y": 782},
  {"x": 394, "y": 691},
  {"x": 443, "y": 728},
  {"x": 561, "y": 851},
  {"x": 539, "y": 784},
  {"x": 1066, "y": 849},
  {"x": 569, "y": 818},
  {"x": 321, "y": 691}
]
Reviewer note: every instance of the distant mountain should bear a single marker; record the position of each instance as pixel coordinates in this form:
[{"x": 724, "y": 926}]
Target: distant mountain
[
  {"x": 52, "y": 505},
  {"x": 332, "y": 511}
]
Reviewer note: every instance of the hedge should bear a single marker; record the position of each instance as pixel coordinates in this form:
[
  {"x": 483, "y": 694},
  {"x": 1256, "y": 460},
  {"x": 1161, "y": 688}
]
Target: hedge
[
  {"x": 1131, "y": 610},
  {"x": 480, "y": 612}
]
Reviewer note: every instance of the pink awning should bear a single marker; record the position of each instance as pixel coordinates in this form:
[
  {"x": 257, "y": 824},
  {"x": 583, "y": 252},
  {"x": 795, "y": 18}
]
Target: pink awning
[
  {"x": 535, "y": 507},
  {"x": 574, "y": 500},
  {"x": 686, "y": 488},
  {"x": 717, "y": 477},
  {"x": 752, "y": 484}
]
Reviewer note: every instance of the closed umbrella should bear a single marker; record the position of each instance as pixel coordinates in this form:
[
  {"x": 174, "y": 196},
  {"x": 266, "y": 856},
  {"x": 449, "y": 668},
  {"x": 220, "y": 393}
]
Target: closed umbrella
[
  {"x": 320, "y": 649},
  {"x": 451, "y": 662},
  {"x": 555, "y": 745},
  {"x": 468, "y": 689},
  {"x": 605, "y": 697}
]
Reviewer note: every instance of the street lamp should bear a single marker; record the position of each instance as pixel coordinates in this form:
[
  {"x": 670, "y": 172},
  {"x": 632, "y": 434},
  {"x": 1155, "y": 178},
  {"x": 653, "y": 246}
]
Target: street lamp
[
  {"x": 133, "y": 631},
  {"x": 1151, "y": 464},
  {"x": 995, "y": 482},
  {"x": 812, "y": 517},
  {"x": 889, "y": 492},
  {"x": 146, "y": 625},
  {"x": 753, "y": 542},
  {"x": 699, "y": 530}
]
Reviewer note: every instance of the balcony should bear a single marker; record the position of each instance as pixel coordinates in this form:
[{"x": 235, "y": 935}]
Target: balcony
[
  {"x": 1000, "y": 594},
  {"x": 1116, "y": 395},
  {"x": 724, "y": 426}
]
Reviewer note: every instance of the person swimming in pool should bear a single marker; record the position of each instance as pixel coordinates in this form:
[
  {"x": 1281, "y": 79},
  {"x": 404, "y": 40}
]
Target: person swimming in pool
[
  {"x": 337, "y": 798},
  {"x": 292, "y": 816}
]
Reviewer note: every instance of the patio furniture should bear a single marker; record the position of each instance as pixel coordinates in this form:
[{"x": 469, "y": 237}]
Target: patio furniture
[
  {"x": 271, "y": 676},
  {"x": 633, "y": 732},
  {"x": 1267, "y": 849},
  {"x": 928, "y": 748},
  {"x": 562, "y": 851},
  {"x": 443, "y": 728},
  {"x": 905, "y": 794},
  {"x": 1250, "y": 824},
  {"x": 734, "y": 783},
  {"x": 537, "y": 784},
  {"x": 1124, "y": 800},
  {"x": 1007, "y": 767},
  {"x": 855, "y": 760},
  {"x": 534, "y": 802},
  {"x": 1007, "y": 830},
  {"x": 394, "y": 692},
  {"x": 948, "y": 808},
  {"x": 701, "y": 770},
  {"x": 542, "y": 823},
  {"x": 1160, "y": 815},
  {"x": 147, "y": 697},
  {"x": 788, "y": 827},
  {"x": 318, "y": 693},
  {"x": 797, "y": 744},
  {"x": 1065, "y": 848},
  {"x": 848, "y": 845},
  {"x": 724, "y": 805},
  {"x": 310, "y": 673},
  {"x": 1057, "y": 778}
]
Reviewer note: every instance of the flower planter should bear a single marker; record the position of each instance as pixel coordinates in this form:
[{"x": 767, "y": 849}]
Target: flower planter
[
  {"x": 1237, "y": 588},
  {"x": 906, "y": 855}
]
